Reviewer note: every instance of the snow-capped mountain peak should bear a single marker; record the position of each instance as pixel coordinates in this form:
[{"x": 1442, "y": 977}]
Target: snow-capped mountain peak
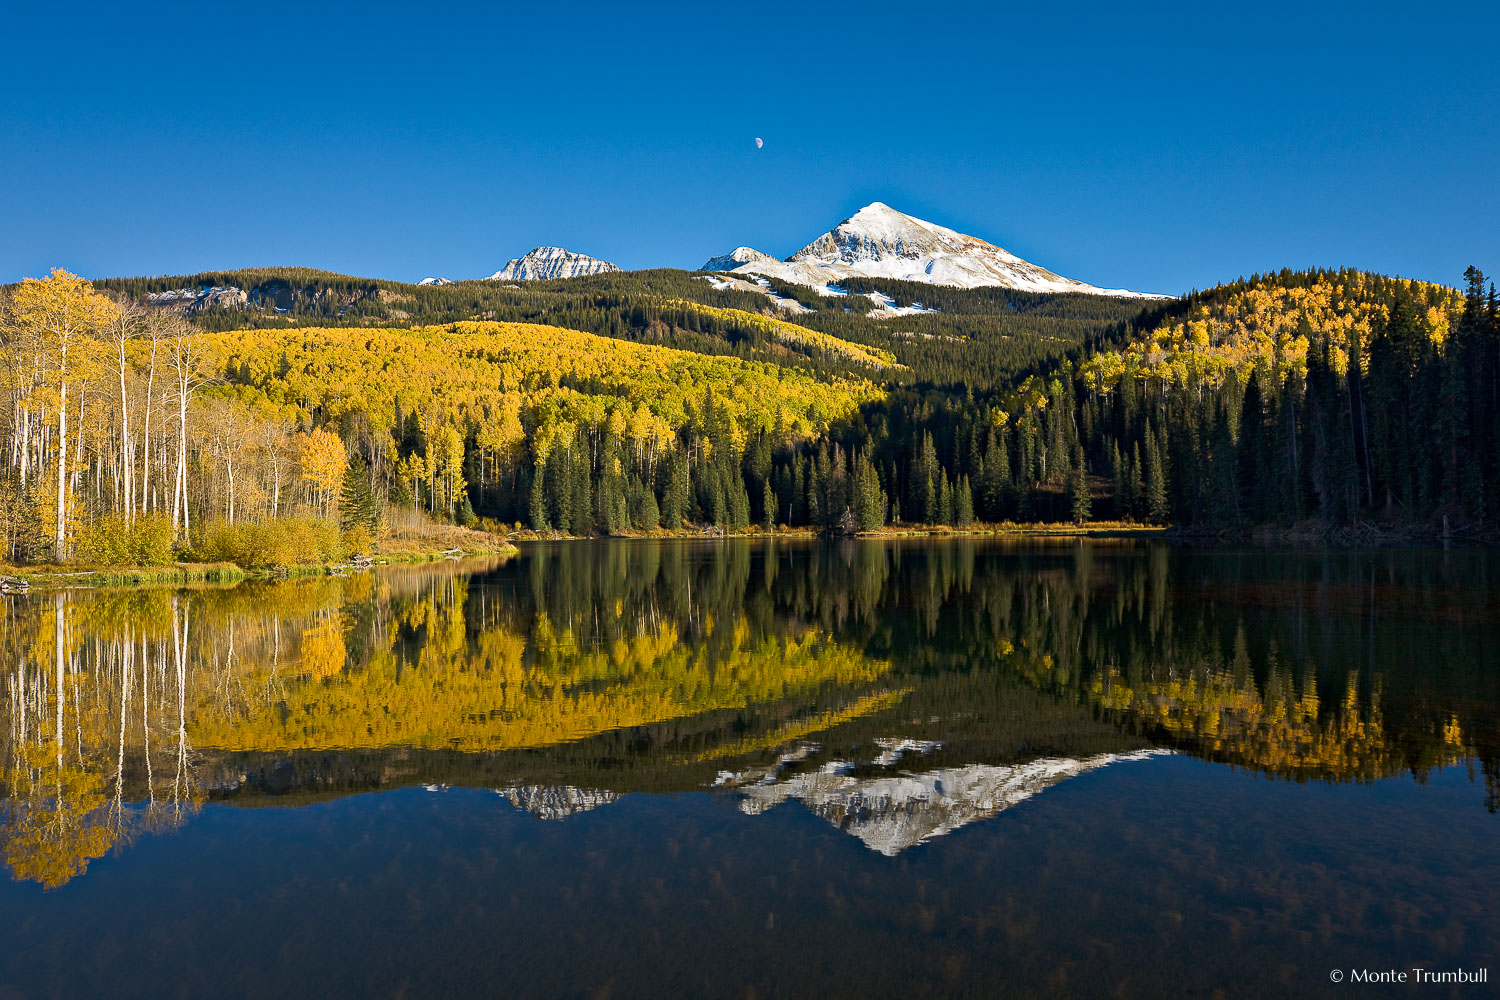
[
  {"x": 551, "y": 262},
  {"x": 878, "y": 232},
  {"x": 880, "y": 242},
  {"x": 434, "y": 280},
  {"x": 735, "y": 258}
]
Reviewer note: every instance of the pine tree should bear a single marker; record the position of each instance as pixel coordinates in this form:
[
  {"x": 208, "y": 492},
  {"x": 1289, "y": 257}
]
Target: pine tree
[
  {"x": 559, "y": 487},
  {"x": 1157, "y": 511},
  {"x": 1080, "y": 501},
  {"x": 1121, "y": 491},
  {"x": 963, "y": 504},
  {"x": 945, "y": 500},
  {"x": 869, "y": 498},
  {"x": 586, "y": 517},
  {"x": 814, "y": 494},
  {"x": 677, "y": 496},
  {"x": 1137, "y": 482},
  {"x": 768, "y": 505},
  {"x": 798, "y": 513},
  {"x": 610, "y": 502},
  {"x": 538, "y": 503},
  {"x": 644, "y": 512},
  {"x": 357, "y": 504},
  {"x": 464, "y": 515},
  {"x": 739, "y": 499},
  {"x": 718, "y": 499}
]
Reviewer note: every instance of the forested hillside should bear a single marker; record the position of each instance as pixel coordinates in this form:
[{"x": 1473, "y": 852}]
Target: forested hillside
[
  {"x": 981, "y": 337},
  {"x": 1337, "y": 398},
  {"x": 139, "y": 429}
]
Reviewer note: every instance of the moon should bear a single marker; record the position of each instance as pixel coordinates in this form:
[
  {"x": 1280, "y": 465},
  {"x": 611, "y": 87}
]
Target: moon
[{"x": 759, "y": 142}]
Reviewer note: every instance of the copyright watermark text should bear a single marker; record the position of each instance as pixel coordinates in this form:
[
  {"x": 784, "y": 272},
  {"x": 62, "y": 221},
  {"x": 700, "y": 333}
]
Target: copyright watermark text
[{"x": 1409, "y": 975}]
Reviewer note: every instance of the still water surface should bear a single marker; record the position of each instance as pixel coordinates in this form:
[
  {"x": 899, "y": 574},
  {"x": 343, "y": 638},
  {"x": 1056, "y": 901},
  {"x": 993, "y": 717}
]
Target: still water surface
[{"x": 748, "y": 769}]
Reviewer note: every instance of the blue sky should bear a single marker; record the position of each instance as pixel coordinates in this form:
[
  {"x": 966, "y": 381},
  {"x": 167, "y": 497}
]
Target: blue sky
[{"x": 1156, "y": 148}]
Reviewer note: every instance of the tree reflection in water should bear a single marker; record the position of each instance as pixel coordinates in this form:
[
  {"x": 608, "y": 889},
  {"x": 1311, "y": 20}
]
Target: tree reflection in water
[{"x": 580, "y": 672}]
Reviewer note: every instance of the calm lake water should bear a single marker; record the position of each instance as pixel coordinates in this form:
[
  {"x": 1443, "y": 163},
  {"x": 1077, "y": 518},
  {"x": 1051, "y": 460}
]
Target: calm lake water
[{"x": 751, "y": 769}]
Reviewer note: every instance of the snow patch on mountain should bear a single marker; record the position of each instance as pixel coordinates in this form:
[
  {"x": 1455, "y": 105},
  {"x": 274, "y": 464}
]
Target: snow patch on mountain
[
  {"x": 433, "y": 280},
  {"x": 751, "y": 283},
  {"x": 544, "y": 263},
  {"x": 886, "y": 308}
]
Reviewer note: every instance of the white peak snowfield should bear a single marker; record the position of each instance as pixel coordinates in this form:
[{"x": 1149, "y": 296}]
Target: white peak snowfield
[
  {"x": 551, "y": 262},
  {"x": 434, "y": 281},
  {"x": 880, "y": 242}
]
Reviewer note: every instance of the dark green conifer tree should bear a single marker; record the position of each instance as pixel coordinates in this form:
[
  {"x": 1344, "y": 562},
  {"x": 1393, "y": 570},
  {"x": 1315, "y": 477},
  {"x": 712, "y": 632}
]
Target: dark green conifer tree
[
  {"x": 1080, "y": 500},
  {"x": 357, "y": 505},
  {"x": 677, "y": 496},
  {"x": 538, "y": 502},
  {"x": 963, "y": 504},
  {"x": 1157, "y": 511}
]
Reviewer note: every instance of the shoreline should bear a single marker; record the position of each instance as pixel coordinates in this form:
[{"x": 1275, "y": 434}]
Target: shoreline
[
  {"x": 1302, "y": 536},
  {"x": 61, "y": 577},
  {"x": 1102, "y": 529}
]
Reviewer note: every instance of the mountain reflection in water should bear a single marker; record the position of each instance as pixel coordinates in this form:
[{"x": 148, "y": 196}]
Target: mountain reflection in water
[{"x": 900, "y": 691}]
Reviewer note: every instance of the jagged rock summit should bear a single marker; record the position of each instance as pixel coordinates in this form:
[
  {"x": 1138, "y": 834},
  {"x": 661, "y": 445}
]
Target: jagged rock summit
[
  {"x": 551, "y": 262},
  {"x": 880, "y": 242}
]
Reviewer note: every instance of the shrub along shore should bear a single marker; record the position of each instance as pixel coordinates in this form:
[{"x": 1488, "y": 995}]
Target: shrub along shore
[{"x": 115, "y": 552}]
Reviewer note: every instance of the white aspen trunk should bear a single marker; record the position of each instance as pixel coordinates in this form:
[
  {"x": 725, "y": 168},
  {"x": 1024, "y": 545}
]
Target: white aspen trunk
[
  {"x": 127, "y": 453},
  {"x": 59, "y": 551},
  {"x": 179, "y": 495},
  {"x": 15, "y": 432},
  {"x": 83, "y": 390},
  {"x": 25, "y": 447},
  {"x": 146, "y": 435}
]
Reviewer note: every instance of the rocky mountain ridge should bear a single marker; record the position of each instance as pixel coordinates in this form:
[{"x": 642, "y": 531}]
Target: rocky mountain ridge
[{"x": 545, "y": 263}]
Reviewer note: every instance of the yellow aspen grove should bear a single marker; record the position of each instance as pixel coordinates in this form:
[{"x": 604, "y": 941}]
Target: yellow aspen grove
[
  {"x": 57, "y": 315},
  {"x": 323, "y": 460},
  {"x": 451, "y": 464}
]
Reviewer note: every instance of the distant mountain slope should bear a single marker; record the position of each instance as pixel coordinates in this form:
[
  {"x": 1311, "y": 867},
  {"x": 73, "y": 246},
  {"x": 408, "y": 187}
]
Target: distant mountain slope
[
  {"x": 980, "y": 336},
  {"x": 545, "y": 263},
  {"x": 880, "y": 242}
]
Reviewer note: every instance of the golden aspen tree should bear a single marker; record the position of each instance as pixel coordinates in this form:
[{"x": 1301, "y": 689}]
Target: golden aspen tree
[
  {"x": 451, "y": 463},
  {"x": 322, "y": 457},
  {"x": 61, "y": 314}
]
